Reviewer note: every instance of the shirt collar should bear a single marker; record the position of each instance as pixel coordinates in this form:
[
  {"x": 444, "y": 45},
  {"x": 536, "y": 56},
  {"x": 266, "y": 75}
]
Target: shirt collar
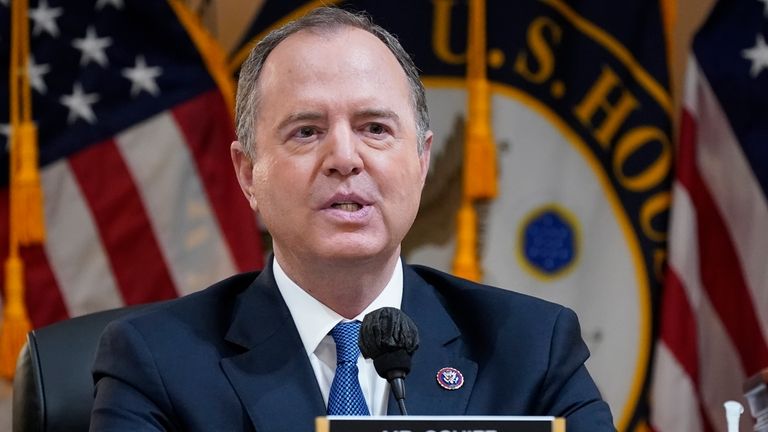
[{"x": 315, "y": 320}]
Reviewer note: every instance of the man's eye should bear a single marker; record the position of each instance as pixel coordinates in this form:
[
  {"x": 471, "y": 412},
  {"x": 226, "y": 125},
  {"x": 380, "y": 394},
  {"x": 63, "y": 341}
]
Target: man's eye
[
  {"x": 306, "y": 132},
  {"x": 376, "y": 129}
]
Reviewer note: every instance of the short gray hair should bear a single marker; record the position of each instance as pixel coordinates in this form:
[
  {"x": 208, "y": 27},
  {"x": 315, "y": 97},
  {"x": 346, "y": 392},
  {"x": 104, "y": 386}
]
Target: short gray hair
[{"x": 320, "y": 19}]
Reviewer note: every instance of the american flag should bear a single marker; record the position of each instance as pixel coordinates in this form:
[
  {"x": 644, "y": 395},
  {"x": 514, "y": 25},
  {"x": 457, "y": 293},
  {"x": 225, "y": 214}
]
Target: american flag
[
  {"x": 714, "y": 321},
  {"x": 133, "y": 108}
]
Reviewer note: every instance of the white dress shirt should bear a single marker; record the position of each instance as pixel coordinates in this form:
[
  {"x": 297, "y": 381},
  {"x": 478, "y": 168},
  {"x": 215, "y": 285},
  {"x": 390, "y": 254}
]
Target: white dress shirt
[{"x": 314, "y": 320}]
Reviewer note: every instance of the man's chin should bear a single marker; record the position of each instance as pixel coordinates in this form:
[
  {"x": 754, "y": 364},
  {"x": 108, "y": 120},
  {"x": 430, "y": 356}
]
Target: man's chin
[{"x": 357, "y": 252}]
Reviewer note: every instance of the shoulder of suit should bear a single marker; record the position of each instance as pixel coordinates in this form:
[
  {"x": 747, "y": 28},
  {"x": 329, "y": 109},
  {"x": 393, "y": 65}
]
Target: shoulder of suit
[
  {"x": 456, "y": 289},
  {"x": 489, "y": 315},
  {"x": 217, "y": 297}
]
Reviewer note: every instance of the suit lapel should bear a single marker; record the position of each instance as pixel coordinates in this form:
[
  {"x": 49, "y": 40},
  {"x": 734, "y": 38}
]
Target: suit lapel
[
  {"x": 440, "y": 346},
  {"x": 275, "y": 381},
  {"x": 273, "y": 376}
]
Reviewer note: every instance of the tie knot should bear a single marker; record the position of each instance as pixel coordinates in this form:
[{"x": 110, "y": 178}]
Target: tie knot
[{"x": 345, "y": 335}]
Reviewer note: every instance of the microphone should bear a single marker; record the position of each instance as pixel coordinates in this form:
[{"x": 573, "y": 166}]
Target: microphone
[{"x": 390, "y": 338}]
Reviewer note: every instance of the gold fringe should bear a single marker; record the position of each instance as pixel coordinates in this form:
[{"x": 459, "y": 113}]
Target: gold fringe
[
  {"x": 27, "y": 195},
  {"x": 26, "y": 208},
  {"x": 465, "y": 262},
  {"x": 479, "y": 170},
  {"x": 16, "y": 325},
  {"x": 480, "y": 150}
]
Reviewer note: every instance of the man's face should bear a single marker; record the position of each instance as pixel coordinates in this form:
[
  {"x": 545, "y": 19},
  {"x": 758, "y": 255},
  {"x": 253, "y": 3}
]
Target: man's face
[{"x": 336, "y": 174}]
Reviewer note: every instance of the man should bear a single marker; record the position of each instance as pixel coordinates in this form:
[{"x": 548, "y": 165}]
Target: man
[{"x": 332, "y": 152}]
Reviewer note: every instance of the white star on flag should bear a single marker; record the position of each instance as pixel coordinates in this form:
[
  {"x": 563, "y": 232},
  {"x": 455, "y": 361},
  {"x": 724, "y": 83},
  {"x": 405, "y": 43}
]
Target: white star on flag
[
  {"x": 92, "y": 48},
  {"x": 36, "y": 72},
  {"x": 4, "y": 2},
  {"x": 45, "y": 19},
  {"x": 79, "y": 105},
  {"x": 143, "y": 77},
  {"x": 118, "y": 4},
  {"x": 758, "y": 54}
]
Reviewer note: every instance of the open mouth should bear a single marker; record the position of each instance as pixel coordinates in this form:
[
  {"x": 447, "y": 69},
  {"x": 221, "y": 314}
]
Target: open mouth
[{"x": 347, "y": 206}]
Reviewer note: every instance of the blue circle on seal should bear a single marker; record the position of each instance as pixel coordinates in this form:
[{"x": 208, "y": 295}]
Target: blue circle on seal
[
  {"x": 450, "y": 378},
  {"x": 549, "y": 242}
]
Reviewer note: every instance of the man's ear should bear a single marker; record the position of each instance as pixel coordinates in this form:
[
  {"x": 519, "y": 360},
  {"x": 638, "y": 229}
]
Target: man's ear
[
  {"x": 244, "y": 170},
  {"x": 426, "y": 152}
]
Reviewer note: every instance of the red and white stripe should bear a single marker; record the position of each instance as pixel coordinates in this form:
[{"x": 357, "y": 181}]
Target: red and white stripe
[
  {"x": 714, "y": 309},
  {"x": 154, "y": 213}
]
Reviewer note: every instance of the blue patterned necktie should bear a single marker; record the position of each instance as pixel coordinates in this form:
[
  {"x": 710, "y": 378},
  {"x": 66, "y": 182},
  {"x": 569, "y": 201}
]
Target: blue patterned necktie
[{"x": 346, "y": 397}]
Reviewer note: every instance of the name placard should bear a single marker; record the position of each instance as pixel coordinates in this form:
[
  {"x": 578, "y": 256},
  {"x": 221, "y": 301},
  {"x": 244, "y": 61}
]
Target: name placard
[{"x": 439, "y": 424}]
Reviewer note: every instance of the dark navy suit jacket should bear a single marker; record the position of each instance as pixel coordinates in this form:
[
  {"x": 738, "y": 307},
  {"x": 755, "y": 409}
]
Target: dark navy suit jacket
[{"x": 229, "y": 358}]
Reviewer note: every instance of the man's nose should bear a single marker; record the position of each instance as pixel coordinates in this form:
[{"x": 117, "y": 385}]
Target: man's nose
[{"x": 342, "y": 153}]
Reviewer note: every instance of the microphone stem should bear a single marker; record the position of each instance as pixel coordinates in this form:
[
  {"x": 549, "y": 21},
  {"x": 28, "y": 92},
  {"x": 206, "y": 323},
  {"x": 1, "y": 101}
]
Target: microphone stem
[
  {"x": 401, "y": 404},
  {"x": 398, "y": 390}
]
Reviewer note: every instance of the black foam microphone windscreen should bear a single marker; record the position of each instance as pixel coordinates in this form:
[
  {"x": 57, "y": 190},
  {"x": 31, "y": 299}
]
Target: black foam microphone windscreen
[{"x": 390, "y": 338}]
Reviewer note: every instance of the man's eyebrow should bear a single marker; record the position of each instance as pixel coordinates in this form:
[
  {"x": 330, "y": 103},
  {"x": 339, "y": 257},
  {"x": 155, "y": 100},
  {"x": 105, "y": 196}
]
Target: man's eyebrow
[
  {"x": 300, "y": 116},
  {"x": 378, "y": 113}
]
